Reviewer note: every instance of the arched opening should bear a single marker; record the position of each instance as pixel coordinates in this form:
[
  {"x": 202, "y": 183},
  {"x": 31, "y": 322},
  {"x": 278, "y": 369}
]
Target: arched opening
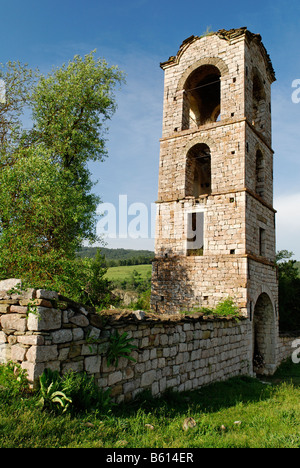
[
  {"x": 263, "y": 335},
  {"x": 260, "y": 174},
  {"x": 259, "y": 101},
  {"x": 198, "y": 171},
  {"x": 202, "y": 103}
]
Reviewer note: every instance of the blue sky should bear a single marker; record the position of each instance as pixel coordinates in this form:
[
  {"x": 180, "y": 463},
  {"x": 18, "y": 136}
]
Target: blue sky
[{"x": 137, "y": 35}]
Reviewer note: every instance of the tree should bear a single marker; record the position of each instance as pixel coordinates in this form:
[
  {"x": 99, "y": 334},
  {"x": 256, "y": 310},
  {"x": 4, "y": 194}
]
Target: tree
[
  {"x": 18, "y": 80},
  {"x": 47, "y": 207},
  {"x": 289, "y": 291},
  {"x": 40, "y": 229},
  {"x": 70, "y": 106}
]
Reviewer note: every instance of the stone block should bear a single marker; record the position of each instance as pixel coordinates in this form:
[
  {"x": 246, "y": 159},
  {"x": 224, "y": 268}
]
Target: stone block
[
  {"x": 129, "y": 373},
  {"x": 3, "y": 338},
  {"x": 76, "y": 366},
  {"x": 44, "y": 319},
  {"x": 44, "y": 294},
  {"x": 18, "y": 309},
  {"x": 148, "y": 378},
  {"x": 33, "y": 370},
  {"x": 94, "y": 333},
  {"x": 63, "y": 353},
  {"x": 75, "y": 351},
  {"x": 4, "y": 308},
  {"x": 92, "y": 364},
  {"x": 13, "y": 322},
  {"x": 31, "y": 339},
  {"x": 7, "y": 284},
  {"x": 115, "y": 377},
  {"x": 80, "y": 321},
  {"x": 129, "y": 387},
  {"x": 18, "y": 353},
  {"x": 62, "y": 336},
  {"x": 89, "y": 348},
  {"x": 35, "y": 302},
  {"x": 78, "y": 334},
  {"x": 42, "y": 353}
]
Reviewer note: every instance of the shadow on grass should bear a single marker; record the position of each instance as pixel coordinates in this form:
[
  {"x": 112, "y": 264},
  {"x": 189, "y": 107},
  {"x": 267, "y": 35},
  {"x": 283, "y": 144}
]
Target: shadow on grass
[
  {"x": 287, "y": 372},
  {"x": 214, "y": 397}
]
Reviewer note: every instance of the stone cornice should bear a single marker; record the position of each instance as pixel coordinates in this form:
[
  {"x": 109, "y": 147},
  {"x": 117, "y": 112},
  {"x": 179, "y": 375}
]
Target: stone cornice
[{"x": 228, "y": 35}]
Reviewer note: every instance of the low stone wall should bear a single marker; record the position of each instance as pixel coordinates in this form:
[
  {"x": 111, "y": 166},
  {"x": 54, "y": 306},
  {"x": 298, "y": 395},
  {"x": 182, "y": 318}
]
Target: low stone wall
[
  {"x": 40, "y": 329},
  {"x": 288, "y": 343}
]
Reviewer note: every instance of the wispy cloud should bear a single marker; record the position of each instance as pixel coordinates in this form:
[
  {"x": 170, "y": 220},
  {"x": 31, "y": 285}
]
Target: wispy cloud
[
  {"x": 134, "y": 132},
  {"x": 286, "y": 142},
  {"x": 288, "y": 223}
]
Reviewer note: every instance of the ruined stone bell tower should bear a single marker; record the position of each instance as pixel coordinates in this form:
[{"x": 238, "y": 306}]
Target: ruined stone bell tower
[{"x": 215, "y": 229}]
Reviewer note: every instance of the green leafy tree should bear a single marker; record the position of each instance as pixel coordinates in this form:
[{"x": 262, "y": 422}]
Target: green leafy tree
[
  {"x": 19, "y": 81},
  {"x": 289, "y": 291},
  {"x": 47, "y": 207},
  {"x": 40, "y": 229},
  {"x": 91, "y": 287},
  {"x": 70, "y": 107}
]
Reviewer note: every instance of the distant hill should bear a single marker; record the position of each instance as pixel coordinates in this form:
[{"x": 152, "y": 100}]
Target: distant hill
[{"x": 117, "y": 257}]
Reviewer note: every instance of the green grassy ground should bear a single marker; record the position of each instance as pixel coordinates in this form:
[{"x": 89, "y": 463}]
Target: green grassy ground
[
  {"x": 124, "y": 272},
  {"x": 239, "y": 413}
]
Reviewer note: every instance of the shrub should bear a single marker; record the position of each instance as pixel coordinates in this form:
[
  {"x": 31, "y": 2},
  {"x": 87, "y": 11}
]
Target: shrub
[
  {"x": 84, "y": 393},
  {"x": 227, "y": 307},
  {"x": 75, "y": 392},
  {"x": 13, "y": 381},
  {"x": 119, "y": 346}
]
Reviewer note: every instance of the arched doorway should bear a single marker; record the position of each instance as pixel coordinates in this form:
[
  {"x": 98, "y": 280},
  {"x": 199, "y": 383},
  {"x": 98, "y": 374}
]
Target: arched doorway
[{"x": 264, "y": 344}]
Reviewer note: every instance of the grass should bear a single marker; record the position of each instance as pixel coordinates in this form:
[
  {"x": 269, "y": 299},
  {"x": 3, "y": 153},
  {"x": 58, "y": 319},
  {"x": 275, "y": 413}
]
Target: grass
[
  {"x": 124, "y": 272},
  {"x": 240, "y": 413}
]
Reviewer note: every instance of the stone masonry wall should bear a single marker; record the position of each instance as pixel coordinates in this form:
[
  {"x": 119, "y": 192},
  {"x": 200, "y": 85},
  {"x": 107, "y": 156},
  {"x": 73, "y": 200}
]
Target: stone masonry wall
[{"x": 40, "y": 329}]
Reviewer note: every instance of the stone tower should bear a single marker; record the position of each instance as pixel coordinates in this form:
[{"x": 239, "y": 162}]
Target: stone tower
[{"x": 215, "y": 228}]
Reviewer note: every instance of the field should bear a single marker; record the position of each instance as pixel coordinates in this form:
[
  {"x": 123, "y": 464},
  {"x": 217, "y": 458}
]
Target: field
[
  {"x": 124, "y": 272},
  {"x": 240, "y": 413}
]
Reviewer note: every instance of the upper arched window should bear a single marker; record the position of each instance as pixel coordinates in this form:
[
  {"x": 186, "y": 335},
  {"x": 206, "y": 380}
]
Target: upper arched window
[{"x": 202, "y": 103}]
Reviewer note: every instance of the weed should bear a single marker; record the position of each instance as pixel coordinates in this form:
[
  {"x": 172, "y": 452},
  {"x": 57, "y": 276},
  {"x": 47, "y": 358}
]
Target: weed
[
  {"x": 225, "y": 308},
  {"x": 75, "y": 392},
  {"x": 119, "y": 346},
  {"x": 50, "y": 397}
]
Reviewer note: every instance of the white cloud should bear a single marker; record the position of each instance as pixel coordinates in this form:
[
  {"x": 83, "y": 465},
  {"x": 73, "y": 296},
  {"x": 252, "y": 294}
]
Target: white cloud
[
  {"x": 288, "y": 223},
  {"x": 134, "y": 132}
]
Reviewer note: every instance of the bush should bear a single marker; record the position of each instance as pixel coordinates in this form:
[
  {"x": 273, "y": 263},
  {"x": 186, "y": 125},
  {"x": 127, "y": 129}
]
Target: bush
[
  {"x": 87, "y": 283},
  {"x": 13, "y": 381},
  {"x": 289, "y": 292},
  {"x": 75, "y": 392},
  {"x": 79, "y": 279},
  {"x": 225, "y": 308}
]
